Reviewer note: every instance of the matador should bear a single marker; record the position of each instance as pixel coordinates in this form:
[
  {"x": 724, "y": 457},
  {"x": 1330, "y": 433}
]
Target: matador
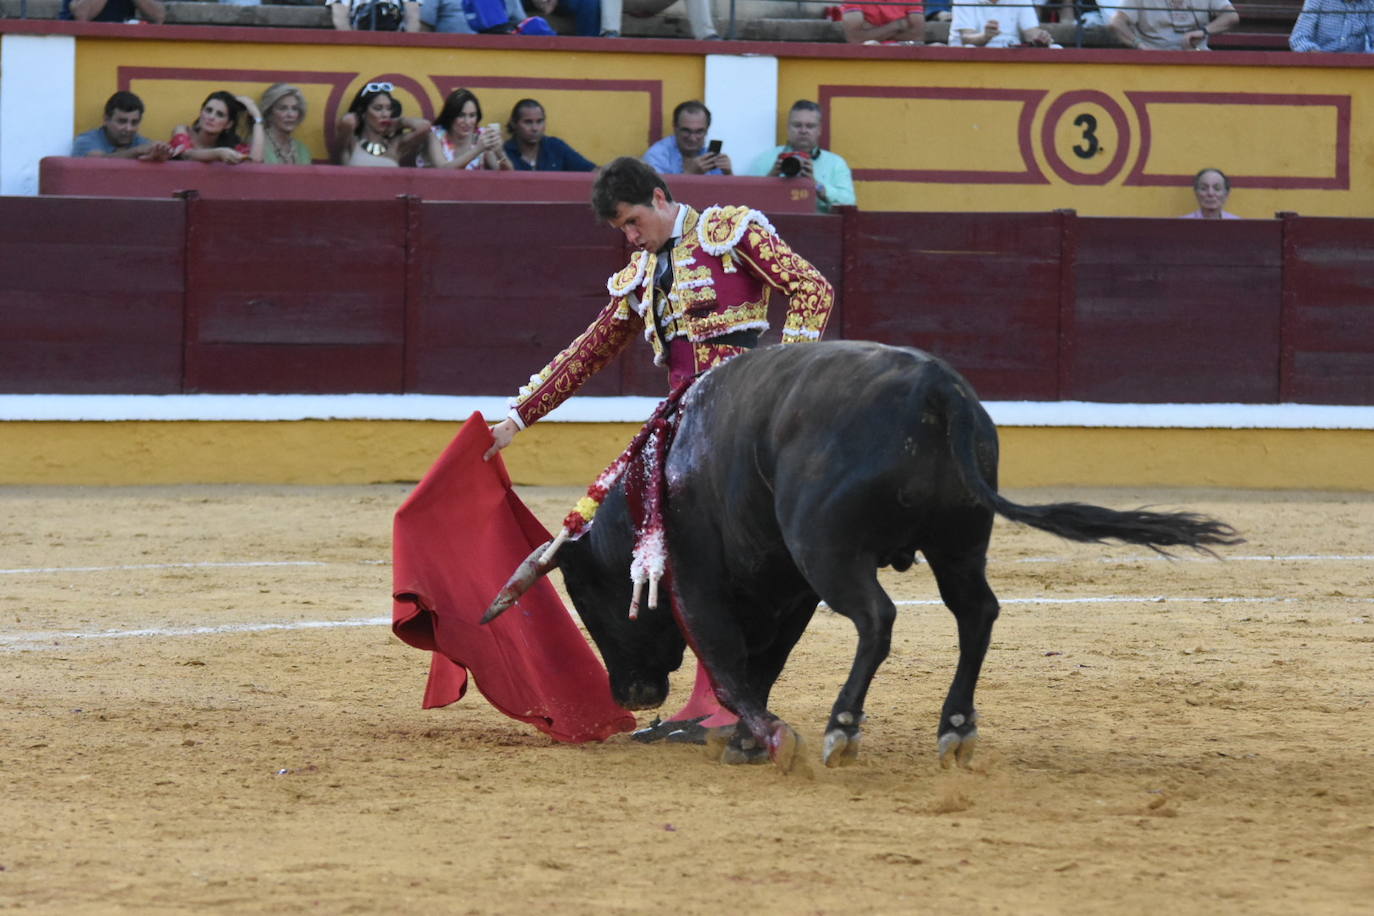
[{"x": 697, "y": 288}]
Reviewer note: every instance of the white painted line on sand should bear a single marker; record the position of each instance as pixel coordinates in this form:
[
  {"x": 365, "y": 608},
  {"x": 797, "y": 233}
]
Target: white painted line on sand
[
  {"x": 18, "y": 642},
  {"x": 125, "y": 567},
  {"x": 21, "y": 641}
]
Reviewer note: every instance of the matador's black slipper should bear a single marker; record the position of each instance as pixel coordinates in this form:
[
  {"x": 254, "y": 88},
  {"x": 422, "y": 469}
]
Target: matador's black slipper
[{"x": 678, "y": 731}]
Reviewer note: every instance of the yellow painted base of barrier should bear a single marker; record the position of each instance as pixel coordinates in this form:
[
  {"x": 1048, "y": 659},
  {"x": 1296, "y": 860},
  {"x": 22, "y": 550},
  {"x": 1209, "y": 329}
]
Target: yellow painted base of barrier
[{"x": 572, "y": 454}]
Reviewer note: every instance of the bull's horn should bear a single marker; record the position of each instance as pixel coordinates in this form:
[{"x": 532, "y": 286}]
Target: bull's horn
[{"x": 526, "y": 574}]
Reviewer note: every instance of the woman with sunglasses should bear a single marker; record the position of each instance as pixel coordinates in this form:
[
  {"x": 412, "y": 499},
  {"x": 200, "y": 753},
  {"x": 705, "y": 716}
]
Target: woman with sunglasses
[
  {"x": 214, "y": 136},
  {"x": 458, "y": 143},
  {"x": 373, "y": 133}
]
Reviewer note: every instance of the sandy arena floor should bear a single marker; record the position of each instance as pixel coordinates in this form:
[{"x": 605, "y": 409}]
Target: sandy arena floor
[{"x": 203, "y": 710}]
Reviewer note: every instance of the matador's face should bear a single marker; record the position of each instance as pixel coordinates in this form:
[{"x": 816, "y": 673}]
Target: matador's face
[{"x": 647, "y": 226}]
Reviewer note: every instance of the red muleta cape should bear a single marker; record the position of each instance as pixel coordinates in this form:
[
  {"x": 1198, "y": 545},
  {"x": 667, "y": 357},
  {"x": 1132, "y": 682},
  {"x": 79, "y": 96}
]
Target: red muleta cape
[{"x": 456, "y": 540}]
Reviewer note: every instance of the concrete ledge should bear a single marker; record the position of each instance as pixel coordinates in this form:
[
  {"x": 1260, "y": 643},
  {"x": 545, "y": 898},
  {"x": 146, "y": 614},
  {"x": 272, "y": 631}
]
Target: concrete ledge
[
  {"x": 572, "y": 454},
  {"x": 756, "y": 21}
]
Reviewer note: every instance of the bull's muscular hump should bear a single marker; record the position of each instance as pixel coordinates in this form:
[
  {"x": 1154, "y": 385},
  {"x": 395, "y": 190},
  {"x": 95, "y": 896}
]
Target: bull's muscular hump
[{"x": 795, "y": 474}]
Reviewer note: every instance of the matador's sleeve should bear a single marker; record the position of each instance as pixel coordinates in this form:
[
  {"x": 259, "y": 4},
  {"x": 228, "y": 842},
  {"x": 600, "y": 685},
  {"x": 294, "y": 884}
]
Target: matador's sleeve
[
  {"x": 584, "y": 357},
  {"x": 753, "y": 240}
]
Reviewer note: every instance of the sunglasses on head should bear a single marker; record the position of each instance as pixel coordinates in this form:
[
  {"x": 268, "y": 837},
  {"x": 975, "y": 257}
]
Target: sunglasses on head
[{"x": 378, "y": 87}]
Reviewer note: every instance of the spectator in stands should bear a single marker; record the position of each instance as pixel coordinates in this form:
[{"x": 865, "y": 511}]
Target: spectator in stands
[
  {"x": 979, "y": 25},
  {"x": 1211, "y": 187},
  {"x": 685, "y": 151},
  {"x": 457, "y": 142},
  {"x": 1334, "y": 25},
  {"x": 118, "y": 137},
  {"x": 592, "y": 17},
  {"x": 214, "y": 136},
  {"x": 531, "y": 150},
  {"x": 373, "y": 133},
  {"x": 113, "y": 10},
  {"x": 283, "y": 109},
  {"x": 802, "y": 159},
  {"x": 375, "y": 15},
  {"x": 884, "y": 23},
  {"x": 450, "y": 17},
  {"x": 698, "y": 15},
  {"x": 1172, "y": 25}
]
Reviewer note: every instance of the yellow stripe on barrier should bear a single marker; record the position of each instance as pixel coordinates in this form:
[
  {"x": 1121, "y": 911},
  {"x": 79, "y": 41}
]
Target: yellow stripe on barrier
[{"x": 572, "y": 454}]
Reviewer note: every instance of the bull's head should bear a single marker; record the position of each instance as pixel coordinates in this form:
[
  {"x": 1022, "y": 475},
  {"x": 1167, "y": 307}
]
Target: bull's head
[{"x": 638, "y": 653}]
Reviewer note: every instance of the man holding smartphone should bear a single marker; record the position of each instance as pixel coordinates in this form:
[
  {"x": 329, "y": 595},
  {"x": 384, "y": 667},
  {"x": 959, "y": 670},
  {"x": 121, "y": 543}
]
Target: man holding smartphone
[{"x": 685, "y": 151}]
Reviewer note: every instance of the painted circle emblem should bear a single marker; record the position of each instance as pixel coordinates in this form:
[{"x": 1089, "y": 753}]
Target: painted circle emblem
[{"x": 1085, "y": 136}]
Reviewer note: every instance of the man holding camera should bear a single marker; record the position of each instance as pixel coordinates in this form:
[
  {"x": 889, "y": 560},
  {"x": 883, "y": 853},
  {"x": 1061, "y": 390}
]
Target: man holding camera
[{"x": 802, "y": 159}]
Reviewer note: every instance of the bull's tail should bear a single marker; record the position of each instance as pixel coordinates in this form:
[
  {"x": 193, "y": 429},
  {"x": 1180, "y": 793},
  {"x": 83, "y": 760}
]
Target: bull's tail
[{"x": 1075, "y": 521}]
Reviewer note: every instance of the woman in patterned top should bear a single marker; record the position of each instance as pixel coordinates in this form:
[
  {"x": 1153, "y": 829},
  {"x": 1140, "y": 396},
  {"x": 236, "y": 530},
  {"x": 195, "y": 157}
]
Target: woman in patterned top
[
  {"x": 214, "y": 136},
  {"x": 458, "y": 143}
]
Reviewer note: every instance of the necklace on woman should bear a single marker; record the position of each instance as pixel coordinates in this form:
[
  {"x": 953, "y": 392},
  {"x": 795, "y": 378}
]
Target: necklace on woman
[
  {"x": 373, "y": 147},
  {"x": 284, "y": 154}
]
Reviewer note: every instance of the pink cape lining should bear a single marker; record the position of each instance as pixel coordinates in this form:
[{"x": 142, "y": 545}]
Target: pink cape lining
[{"x": 456, "y": 540}]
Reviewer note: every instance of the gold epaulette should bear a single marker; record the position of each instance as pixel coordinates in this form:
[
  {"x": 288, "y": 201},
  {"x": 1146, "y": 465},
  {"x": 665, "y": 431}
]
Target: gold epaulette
[
  {"x": 630, "y": 277},
  {"x": 721, "y": 228}
]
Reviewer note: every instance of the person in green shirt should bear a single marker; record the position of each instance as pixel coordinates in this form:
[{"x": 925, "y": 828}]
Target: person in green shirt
[{"x": 802, "y": 159}]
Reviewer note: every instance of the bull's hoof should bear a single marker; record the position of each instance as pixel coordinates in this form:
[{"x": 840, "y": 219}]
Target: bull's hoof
[
  {"x": 717, "y": 740},
  {"x": 784, "y": 747},
  {"x": 746, "y": 750},
  {"x": 957, "y": 748},
  {"x": 841, "y": 748}
]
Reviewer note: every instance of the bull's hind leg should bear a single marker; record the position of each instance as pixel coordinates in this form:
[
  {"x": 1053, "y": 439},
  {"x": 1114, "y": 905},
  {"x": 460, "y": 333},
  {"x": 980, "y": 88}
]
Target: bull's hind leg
[
  {"x": 850, "y": 587},
  {"x": 964, "y": 589}
]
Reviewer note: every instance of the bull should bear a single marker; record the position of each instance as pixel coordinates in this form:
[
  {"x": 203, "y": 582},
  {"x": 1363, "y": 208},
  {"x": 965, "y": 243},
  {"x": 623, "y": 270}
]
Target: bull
[{"x": 796, "y": 473}]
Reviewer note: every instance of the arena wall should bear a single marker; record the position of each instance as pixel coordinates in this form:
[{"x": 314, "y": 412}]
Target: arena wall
[{"x": 1106, "y": 133}]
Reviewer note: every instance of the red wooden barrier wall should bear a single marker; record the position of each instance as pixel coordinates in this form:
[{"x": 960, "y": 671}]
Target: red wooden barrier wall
[
  {"x": 982, "y": 291},
  {"x": 196, "y": 295},
  {"x": 295, "y": 296},
  {"x": 1328, "y": 311},
  {"x": 1181, "y": 310},
  {"x": 91, "y": 295}
]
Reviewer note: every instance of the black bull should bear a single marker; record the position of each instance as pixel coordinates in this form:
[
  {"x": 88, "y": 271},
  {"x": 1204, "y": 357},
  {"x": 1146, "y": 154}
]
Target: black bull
[{"x": 795, "y": 474}]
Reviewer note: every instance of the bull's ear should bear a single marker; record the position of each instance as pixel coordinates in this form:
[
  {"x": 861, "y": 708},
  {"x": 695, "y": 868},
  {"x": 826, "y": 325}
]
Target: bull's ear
[{"x": 534, "y": 568}]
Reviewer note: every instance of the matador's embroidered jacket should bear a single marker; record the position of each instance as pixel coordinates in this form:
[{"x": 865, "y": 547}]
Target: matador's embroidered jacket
[{"x": 724, "y": 265}]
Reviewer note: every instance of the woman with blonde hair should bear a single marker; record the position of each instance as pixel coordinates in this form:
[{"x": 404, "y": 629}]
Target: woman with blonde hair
[{"x": 283, "y": 110}]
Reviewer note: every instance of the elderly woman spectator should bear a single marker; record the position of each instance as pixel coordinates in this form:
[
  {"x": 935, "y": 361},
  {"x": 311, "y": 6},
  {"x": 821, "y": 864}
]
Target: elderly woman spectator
[
  {"x": 373, "y": 133},
  {"x": 1334, "y": 25},
  {"x": 456, "y": 142},
  {"x": 214, "y": 136},
  {"x": 1211, "y": 187},
  {"x": 283, "y": 109}
]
